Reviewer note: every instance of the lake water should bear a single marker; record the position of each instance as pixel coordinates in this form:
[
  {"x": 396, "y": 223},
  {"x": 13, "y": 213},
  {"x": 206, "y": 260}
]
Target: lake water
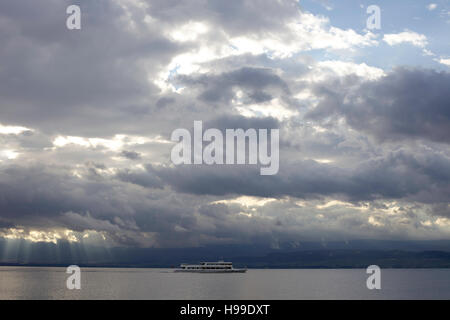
[{"x": 108, "y": 283}]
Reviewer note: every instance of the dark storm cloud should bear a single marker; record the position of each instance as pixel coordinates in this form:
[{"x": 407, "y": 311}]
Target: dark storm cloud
[
  {"x": 89, "y": 80},
  {"x": 293, "y": 68},
  {"x": 406, "y": 104},
  {"x": 41, "y": 192},
  {"x": 147, "y": 179},
  {"x": 395, "y": 176},
  {"x": 132, "y": 155},
  {"x": 257, "y": 83},
  {"x": 441, "y": 209},
  {"x": 45, "y": 198}
]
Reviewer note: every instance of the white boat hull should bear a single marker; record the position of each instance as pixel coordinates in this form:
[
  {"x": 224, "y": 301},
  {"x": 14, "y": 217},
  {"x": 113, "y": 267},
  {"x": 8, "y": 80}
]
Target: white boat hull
[
  {"x": 211, "y": 271},
  {"x": 210, "y": 267}
]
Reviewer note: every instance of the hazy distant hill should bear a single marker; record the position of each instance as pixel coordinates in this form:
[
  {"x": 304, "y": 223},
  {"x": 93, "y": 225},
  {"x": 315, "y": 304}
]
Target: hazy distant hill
[
  {"x": 349, "y": 259},
  {"x": 351, "y": 254}
]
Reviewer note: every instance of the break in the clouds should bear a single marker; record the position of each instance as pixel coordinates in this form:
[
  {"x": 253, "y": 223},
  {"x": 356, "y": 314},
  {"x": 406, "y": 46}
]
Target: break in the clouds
[{"x": 86, "y": 117}]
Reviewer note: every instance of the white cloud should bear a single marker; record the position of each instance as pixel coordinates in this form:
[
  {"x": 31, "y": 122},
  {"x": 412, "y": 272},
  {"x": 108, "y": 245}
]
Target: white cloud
[
  {"x": 416, "y": 39},
  {"x": 273, "y": 108},
  {"x": 432, "y": 6},
  {"x": 189, "y": 32},
  {"x": 247, "y": 201},
  {"x": 116, "y": 143},
  {"x": 12, "y": 129},
  {"x": 343, "y": 68},
  {"x": 8, "y": 154},
  {"x": 444, "y": 61},
  {"x": 427, "y": 52}
]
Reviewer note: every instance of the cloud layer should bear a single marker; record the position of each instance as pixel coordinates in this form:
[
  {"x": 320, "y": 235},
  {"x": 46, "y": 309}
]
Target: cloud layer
[{"x": 86, "y": 118}]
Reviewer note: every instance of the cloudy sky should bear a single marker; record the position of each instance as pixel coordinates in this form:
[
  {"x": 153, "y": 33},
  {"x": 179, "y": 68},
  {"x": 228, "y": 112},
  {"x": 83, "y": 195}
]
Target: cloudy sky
[{"x": 86, "y": 118}]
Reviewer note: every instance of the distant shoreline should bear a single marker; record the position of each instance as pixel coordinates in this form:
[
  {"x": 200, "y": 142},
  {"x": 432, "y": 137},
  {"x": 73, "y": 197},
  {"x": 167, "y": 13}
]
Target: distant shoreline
[
  {"x": 250, "y": 268},
  {"x": 301, "y": 259}
]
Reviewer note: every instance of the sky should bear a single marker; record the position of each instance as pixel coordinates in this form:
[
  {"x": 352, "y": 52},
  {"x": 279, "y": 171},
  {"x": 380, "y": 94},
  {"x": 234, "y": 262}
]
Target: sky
[{"x": 86, "y": 118}]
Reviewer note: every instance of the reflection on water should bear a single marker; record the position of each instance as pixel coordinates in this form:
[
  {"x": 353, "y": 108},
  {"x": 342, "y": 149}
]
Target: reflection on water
[{"x": 109, "y": 283}]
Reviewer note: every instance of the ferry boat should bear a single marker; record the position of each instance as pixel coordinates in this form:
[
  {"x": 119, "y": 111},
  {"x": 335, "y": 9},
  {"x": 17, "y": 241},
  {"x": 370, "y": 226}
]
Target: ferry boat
[{"x": 210, "y": 267}]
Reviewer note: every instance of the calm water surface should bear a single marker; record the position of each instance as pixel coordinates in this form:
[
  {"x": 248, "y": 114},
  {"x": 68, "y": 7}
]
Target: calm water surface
[{"x": 108, "y": 283}]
